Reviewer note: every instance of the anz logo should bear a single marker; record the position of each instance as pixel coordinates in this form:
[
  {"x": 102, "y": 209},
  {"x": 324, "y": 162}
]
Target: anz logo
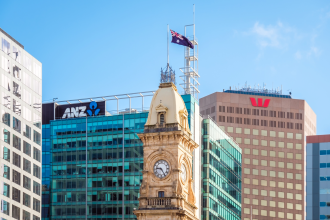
[
  {"x": 259, "y": 104},
  {"x": 80, "y": 111}
]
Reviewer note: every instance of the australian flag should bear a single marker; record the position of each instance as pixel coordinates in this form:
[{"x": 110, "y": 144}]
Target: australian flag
[{"x": 182, "y": 40}]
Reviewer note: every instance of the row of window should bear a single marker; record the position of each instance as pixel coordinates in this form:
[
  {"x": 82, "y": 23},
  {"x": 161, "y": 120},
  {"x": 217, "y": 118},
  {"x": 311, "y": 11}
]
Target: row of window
[
  {"x": 23, "y": 111},
  {"x": 273, "y": 154},
  {"x": 271, "y": 193},
  {"x": 324, "y": 165},
  {"x": 256, "y": 182},
  {"x": 16, "y": 212},
  {"x": 265, "y": 143},
  {"x": 248, "y": 111},
  {"x": 16, "y": 140},
  {"x": 280, "y": 174},
  {"x": 16, "y": 178},
  {"x": 298, "y": 166},
  {"x": 324, "y": 152},
  {"x": 264, "y": 123},
  {"x": 273, "y": 204},
  {"x": 15, "y": 53},
  {"x": 264, "y": 133},
  {"x": 280, "y": 215}
]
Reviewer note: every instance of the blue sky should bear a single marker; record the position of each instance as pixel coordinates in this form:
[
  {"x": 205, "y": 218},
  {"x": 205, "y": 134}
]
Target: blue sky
[{"x": 98, "y": 48}]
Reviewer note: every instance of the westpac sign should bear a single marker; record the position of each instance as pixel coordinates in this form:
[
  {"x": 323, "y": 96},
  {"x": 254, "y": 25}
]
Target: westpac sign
[{"x": 259, "y": 104}]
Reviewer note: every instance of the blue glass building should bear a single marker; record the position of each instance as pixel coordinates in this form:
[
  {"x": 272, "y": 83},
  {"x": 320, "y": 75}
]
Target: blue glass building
[{"x": 221, "y": 174}]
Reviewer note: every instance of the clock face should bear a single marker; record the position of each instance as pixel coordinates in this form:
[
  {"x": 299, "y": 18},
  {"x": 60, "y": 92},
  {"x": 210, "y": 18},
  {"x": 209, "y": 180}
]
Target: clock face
[
  {"x": 183, "y": 173},
  {"x": 161, "y": 168}
]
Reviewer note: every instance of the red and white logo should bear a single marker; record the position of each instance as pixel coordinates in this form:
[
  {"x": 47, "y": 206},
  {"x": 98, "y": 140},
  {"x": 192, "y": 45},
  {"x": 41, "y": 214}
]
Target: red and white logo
[{"x": 254, "y": 103}]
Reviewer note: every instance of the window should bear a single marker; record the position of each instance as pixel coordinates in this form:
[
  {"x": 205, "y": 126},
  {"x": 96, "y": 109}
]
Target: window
[
  {"x": 16, "y": 142},
  {"x": 247, "y": 111},
  {"x": 16, "y": 177},
  {"x": 27, "y": 148},
  {"x": 36, "y": 188},
  {"x": 5, "y": 207},
  {"x": 272, "y": 124},
  {"x": 246, "y": 131},
  {"x": 298, "y": 136},
  {"x": 289, "y": 115},
  {"x": 16, "y": 195},
  {"x": 27, "y": 165},
  {"x": 238, "y": 120},
  {"x": 255, "y": 142},
  {"x": 298, "y": 126},
  {"x": 246, "y": 171},
  {"x": 238, "y": 110},
  {"x": 16, "y": 212},
  {"x": 230, "y": 119},
  {"x": 6, "y": 190},
  {"x": 222, "y": 108},
  {"x": 36, "y": 205},
  {"x": 6, "y": 136},
  {"x": 255, "y": 111},
  {"x": 6, "y": 154},
  {"x": 264, "y": 112},
  {"x": 255, "y": 131},
  {"x": 6, "y": 172},
  {"x": 230, "y": 109},
  {"x": 27, "y": 131},
  {"x": 299, "y": 116},
  {"x": 272, "y": 133},
  {"x": 26, "y": 215},
  {"x": 272, "y": 114},
  {"x": 26, "y": 182},
  {"x": 272, "y": 143},
  {"x": 36, "y": 171},
  {"x": 246, "y": 150},
  {"x": 264, "y": 143},
  {"x": 264, "y": 123},
  {"x": 36, "y": 154},
  {"x": 281, "y": 114},
  {"x": 17, "y": 107},
  {"x": 161, "y": 119},
  {"x": 247, "y": 121},
  {"x": 222, "y": 118},
  {"x": 161, "y": 194},
  {"x": 238, "y": 130},
  {"x": 281, "y": 134},
  {"x": 246, "y": 160},
  {"x": 281, "y": 124},
  {"x": 246, "y": 141},
  {"x": 17, "y": 89},
  {"x": 6, "y": 100},
  {"x": 35, "y": 218},
  {"x": 230, "y": 129},
  {"x": 6, "y": 118},
  {"x": 16, "y": 124},
  {"x": 17, "y": 160},
  {"x": 255, "y": 121},
  {"x": 289, "y": 125},
  {"x": 36, "y": 137}
]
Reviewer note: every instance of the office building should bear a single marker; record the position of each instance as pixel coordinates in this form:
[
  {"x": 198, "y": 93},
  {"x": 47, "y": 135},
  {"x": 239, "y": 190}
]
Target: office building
[
  {"x": 318, "y": 177},
  {"x": 270, "y": 128},
  {"x": 20, "y": 150},
  {"x": 221, "y": 174}
]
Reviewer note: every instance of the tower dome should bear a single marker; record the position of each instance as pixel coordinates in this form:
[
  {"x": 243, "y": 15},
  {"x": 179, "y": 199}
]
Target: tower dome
[{"x": 167, "y": 108}]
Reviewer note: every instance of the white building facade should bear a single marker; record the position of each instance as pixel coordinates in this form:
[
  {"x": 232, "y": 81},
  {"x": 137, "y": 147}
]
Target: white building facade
[{"x": 20, "y": 131}]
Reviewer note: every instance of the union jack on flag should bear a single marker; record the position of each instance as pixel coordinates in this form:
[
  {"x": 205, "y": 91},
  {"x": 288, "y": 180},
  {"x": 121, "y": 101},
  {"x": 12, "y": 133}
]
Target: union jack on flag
[
  {"x": 182, "y": 40},
  {"x": 176, "y": 35}
]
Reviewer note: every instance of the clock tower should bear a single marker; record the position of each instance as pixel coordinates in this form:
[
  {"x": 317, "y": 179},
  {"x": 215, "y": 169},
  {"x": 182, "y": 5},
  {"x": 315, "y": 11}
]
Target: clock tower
[{"x": 166, "y": 192}]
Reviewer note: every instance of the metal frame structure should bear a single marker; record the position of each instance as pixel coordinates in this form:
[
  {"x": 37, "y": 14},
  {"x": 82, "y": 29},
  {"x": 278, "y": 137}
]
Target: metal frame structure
[
  {"x": 190, "y": 70},
  {"x": 111, "y": 98}
]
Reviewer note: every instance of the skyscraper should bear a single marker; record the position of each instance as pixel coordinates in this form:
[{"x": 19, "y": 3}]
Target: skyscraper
[
  {"x": 270, "y": 128},
  {"x": 20, "y": 160}
]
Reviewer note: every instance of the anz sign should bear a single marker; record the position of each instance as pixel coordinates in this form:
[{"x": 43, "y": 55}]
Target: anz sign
[{"x": 80, "y": 110}]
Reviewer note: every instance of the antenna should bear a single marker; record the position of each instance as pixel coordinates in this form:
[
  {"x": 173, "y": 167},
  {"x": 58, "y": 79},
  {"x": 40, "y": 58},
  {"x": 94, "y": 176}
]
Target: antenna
[{"x": 167, "y": 74}]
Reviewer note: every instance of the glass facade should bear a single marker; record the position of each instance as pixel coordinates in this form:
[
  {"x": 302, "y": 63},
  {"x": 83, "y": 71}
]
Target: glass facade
[
  {"x": 113, "y": 167},
  {"x": 221, "y": 174}
]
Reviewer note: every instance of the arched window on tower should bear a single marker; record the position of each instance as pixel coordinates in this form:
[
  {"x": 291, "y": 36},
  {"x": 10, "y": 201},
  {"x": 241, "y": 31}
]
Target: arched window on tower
[{"x": 161, "y": 119}]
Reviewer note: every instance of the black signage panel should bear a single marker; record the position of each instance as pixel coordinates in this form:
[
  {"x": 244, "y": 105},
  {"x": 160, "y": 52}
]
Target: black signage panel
[{"x": 80, "y": 110}]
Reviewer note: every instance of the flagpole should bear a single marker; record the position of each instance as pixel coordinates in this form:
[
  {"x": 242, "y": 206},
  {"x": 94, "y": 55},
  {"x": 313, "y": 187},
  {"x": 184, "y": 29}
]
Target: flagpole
[{"x": 168, "y": 54}]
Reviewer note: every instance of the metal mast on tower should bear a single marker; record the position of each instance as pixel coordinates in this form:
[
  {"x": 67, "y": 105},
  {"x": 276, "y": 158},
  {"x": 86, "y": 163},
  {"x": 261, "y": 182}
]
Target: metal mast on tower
[{"x": 190, "y": 70}]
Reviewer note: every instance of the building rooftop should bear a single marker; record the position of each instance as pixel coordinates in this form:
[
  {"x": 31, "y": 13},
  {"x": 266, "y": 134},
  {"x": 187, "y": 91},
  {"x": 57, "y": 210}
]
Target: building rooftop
[
  {"x": 262, "y": 92},
  {"x": 11, "y": 38}
]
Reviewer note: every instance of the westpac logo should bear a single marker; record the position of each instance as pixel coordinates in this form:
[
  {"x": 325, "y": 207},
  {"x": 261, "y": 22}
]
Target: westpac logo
[
  {"x": 259, "y": 104},
  {"x": 80, "y": 111}
]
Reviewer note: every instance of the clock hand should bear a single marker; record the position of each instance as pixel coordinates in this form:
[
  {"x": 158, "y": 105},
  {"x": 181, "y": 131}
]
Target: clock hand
[{"x": 161, "y": 170}]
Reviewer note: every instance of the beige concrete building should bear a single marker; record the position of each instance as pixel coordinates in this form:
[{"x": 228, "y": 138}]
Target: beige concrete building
[
  {"x": 270, "y": 128},
  {"x": 167, "y": 191}
]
